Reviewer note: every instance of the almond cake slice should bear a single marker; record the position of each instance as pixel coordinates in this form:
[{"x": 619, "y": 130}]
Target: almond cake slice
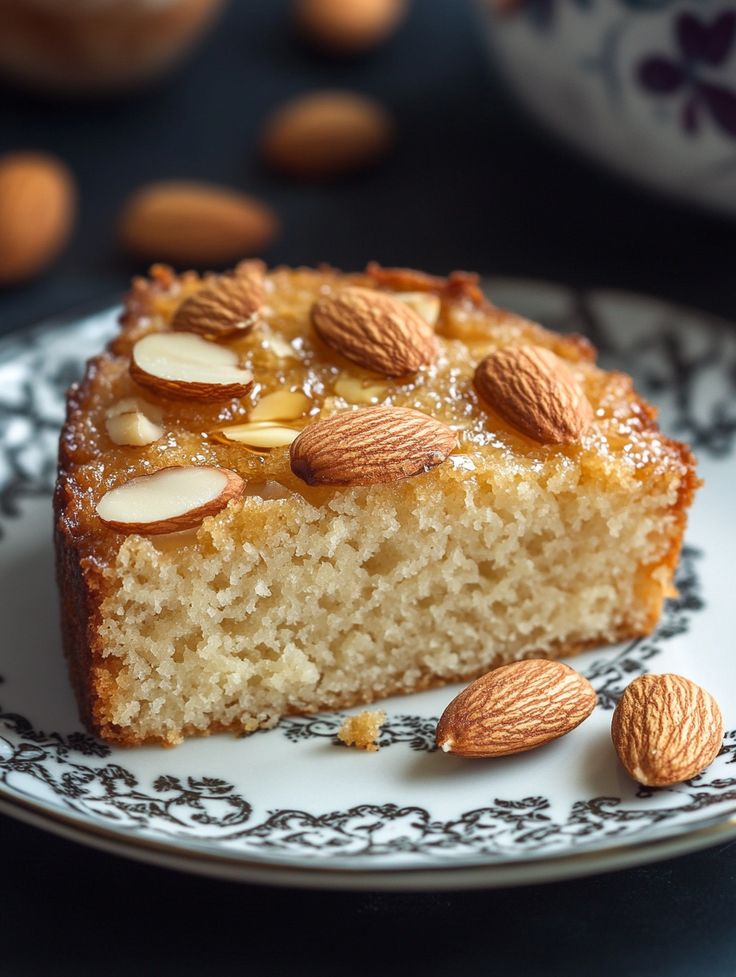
[{"x": 294, "y": 491}]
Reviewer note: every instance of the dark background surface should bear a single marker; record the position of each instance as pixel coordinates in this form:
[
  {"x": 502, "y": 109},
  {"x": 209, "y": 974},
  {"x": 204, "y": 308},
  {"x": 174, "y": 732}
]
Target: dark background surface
[{"x": 471, "y": 185}]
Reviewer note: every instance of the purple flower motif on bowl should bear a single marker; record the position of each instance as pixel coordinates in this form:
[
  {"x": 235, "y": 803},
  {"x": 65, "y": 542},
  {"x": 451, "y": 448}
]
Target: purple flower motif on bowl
[{"x": 701, "y": 47}]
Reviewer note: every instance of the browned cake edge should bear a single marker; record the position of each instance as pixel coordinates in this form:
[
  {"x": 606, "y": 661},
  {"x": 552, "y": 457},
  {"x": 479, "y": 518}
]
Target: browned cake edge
[{"x": 81, "y": 583}]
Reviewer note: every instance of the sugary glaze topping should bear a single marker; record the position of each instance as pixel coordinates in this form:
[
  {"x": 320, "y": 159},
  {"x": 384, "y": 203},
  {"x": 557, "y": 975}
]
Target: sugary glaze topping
[{"x": 311, "y": 380}]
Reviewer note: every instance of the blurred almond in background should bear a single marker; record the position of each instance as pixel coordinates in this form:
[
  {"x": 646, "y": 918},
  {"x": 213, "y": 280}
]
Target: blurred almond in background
[
  {"x": 347, "y": 27},
  {"x": 325, "y": 134},
  {"x": 79, "y": 47},
  {"x": 190, "y": 223},
  {"x": 37, "y": 212}
]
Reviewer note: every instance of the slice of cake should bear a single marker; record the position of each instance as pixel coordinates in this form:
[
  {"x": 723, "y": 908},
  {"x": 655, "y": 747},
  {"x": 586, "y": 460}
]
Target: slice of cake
[{"x": 298, "y": 491}]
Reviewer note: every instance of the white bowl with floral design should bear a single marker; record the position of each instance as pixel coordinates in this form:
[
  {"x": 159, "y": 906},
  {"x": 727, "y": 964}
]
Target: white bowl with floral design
[{"x": 646, "y": 86}]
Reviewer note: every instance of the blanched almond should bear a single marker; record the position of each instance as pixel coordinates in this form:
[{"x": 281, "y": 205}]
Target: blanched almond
[
  {"x": 356, "y": 391},
  {"x": 424, "y": 304},
  {"x": 229, "y": 307},
  {"x": 134, "y": 421},
  {"x": 281, "y": 405},
  {"x": 515, "y": 708},
  {"x": 375, "y": 330},
  {"x": 369, "y": 445},
  {"x": 534, "y": 391},
  {"x": 132, "y": 405},
  {"x": 260, "y": 436},
  {"x": 133, "y": 428},
  {"x": 185, "y": 366},
  {"x": 169, "y": 500}
]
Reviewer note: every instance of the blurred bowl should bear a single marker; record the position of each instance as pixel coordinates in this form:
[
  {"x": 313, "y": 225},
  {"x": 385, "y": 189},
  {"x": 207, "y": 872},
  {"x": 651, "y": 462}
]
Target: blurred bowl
[
  {"x": 96, "y": 46},
  {"x": 647, "y": 87}
]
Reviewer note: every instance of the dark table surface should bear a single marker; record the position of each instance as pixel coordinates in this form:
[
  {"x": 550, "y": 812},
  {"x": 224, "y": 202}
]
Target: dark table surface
[{"x": 471, "y": 185}]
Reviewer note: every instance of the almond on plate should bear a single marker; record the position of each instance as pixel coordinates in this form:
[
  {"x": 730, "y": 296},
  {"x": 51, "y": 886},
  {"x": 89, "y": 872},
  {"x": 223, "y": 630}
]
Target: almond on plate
[
  {"x": 325, "y": 134},
  {"x": 170, "y": 499},
  {"x": 347, "y": 26},
  {"x": 534, "y": 391},
  {"x": 375, "y": 330},
  {"x": 666, "y": 729},
  {"x": 515, "y": 708},
  {"x": 185, "y": 366},
  {"x": 191, "y": 223},
  {"x": 37, "y": 209},
  {"x": 370, "y": 445}
]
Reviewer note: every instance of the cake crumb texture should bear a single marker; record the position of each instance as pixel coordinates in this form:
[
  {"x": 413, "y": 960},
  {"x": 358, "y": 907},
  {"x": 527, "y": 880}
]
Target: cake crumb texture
[{"x": 362, "y": 731}]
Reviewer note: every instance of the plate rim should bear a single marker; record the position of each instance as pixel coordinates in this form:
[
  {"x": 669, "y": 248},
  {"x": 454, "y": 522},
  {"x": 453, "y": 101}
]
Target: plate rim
[
  {"x": 709, "y": 832},
  {"x": 534, "y": 870}
]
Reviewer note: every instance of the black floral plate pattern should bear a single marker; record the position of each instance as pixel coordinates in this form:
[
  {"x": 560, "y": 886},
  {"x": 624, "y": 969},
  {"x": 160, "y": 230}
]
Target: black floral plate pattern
[{"x": 202, "y": 797}]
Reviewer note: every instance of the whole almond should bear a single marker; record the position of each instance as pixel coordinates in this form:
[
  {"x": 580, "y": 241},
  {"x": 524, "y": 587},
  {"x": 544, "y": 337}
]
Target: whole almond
[
  {"x": 195, "y": 224},
  {"x": 325, "y": 134},
  {"x": 369, "y": 445},
  {"x": 515, "y": 708},
  {"x": 375, "y": 330},
  {"x": 666, "y": 729},
  {"x": 37, "y": 205},
  {"x": 347, "y": 26},
  {"x": 229, "y": 307},
  {"x": 534, "y": 391}
]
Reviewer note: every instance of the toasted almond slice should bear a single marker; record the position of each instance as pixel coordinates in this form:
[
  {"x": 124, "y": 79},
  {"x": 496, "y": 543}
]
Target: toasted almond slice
[
  {"x": 170, "y": 499},
  {"x": 231, "y": 306},
  {"x": 261, "y": 435},
  {"x": 424, "y": 304},
  {"x": 281, "y": 405},
  {"x": 185, "y": 366},
  {"x": 369, "y": 445},
  {"x": 133, "y": 428},
  {"x": 131, "y": 405},
  {"x": 357, "y": 391}
]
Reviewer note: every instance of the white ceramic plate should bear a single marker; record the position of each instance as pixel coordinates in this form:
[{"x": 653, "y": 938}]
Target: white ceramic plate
[{"x": 291, "y": 806}]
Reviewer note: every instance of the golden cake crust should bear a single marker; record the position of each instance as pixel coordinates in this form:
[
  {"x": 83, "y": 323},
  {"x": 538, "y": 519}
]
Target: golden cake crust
[{"x": 85, "y": 549}]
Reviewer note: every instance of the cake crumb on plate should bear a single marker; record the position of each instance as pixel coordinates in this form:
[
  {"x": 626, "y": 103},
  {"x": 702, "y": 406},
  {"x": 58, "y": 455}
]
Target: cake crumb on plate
[{"x": 362, "y": 731}]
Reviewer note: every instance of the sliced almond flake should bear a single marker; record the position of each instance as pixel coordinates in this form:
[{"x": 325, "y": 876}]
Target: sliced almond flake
[
  {"x": 357, "y": 391},
  {"x": 260, "y": 436},
  {"x": 281, "y": 405},
  {"x": 424, "y": 304},
  {"x": 183, "y": 365},
  {"x": 170, "y": 499}
]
